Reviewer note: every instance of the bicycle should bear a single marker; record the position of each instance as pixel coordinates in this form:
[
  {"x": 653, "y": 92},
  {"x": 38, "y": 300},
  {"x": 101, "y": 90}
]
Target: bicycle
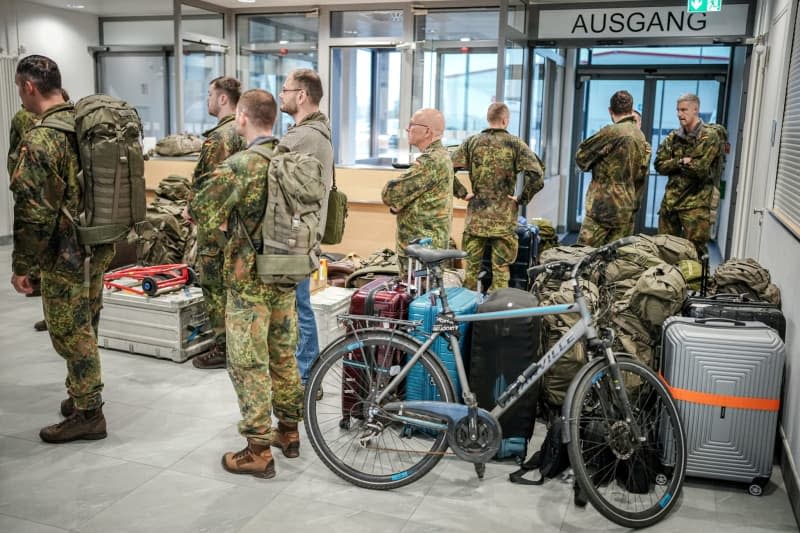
[{"x": 619, "y": 417}]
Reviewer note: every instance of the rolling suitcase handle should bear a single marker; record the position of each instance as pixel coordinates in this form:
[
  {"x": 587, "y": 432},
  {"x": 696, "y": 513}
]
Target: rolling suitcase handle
[
  {"x": 704, "y": 276},
  {"x": 708, "y": 321},
  {"x": 415, "y": 266}
]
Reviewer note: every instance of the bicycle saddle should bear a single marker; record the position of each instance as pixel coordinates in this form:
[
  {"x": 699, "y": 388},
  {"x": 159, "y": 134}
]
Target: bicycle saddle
[{"x": 431, "y": 255}]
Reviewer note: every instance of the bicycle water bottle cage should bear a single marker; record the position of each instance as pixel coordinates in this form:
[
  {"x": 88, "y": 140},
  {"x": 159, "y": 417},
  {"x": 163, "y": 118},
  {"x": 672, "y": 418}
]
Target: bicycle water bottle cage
[{"x": 476, "y": 440}]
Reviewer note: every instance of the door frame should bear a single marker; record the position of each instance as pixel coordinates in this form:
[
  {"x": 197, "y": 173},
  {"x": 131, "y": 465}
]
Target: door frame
[{"x": 650, "y": 76}]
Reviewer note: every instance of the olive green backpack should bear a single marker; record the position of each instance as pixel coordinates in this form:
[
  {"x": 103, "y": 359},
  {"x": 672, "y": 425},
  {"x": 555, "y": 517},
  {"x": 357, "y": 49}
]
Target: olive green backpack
[{"x": 108, "y": 132}]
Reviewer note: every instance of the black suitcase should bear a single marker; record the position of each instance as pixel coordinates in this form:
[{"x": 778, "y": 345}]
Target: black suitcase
[
  {"x": 736, "y": 307},
  {"x": 527, "y": 256},
  {"x": 500, "y": 351}
]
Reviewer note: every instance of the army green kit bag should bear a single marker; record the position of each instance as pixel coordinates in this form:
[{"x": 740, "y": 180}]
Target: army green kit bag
[
  {"x": 108, "y": 131},
  {"x": 179, "y": 144},
  {"x": 289, "y": 239},
  {"x": 337, "y": 212}
]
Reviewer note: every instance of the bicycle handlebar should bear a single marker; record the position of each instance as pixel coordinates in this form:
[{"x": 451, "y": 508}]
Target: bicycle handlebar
[{"x": 606, "y": 251}]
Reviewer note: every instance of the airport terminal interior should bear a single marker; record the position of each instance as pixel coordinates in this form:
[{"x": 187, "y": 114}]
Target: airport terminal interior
[{"x": 555, "y": 64}]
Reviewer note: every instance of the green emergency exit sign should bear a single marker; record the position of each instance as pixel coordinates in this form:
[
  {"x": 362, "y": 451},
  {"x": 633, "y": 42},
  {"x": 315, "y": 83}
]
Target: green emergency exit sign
[{"x": 703, "y": 6}]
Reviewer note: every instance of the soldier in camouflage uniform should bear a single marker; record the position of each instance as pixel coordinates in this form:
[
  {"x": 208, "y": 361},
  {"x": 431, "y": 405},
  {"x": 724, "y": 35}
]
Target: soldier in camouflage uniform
[
  {"x": 617, "y": 155},
  {"x": 494, "y": 158},
  {"x": 642, "y": 180},
  {"x": 221, "y": 142},
  {"x": 422, "y": 198},
  {"x": 23, "y": 121},
  {"x": 687, "y": 156},
  {"x": 260, "y": 318},
  {"x": 45, "y": 184}
]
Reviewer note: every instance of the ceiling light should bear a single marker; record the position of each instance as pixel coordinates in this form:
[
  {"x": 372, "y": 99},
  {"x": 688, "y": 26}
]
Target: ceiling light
[
  {"x": 75, "y": 6},
  {"x": 283, "y": 42},
  {"x": 247, "y": 1},
  {"x": 465, "y": 39}
]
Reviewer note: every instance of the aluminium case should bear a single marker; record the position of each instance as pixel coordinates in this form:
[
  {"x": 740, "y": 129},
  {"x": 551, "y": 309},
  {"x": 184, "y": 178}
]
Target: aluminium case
[
  {"x": 169, "y": 326},
  {"x": 726, "y": 379}
]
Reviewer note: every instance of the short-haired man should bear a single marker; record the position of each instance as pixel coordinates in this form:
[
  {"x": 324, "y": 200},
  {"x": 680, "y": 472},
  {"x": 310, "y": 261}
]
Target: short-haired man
[
  {"x": 47, "y": 198},
  {"x": 494, "y": 158},
  {"x": 220, "y": 142},
  {"x": 617, "y": 157},
  {"x": 687, "y": 155},
  {"x": 311, "y": 133},
  {"x": 422, "y": 198},
  {"x": 260, "y": 318}
]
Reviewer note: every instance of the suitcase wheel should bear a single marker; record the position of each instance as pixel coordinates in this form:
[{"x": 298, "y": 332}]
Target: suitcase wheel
[{"x": 756, "y": 488}]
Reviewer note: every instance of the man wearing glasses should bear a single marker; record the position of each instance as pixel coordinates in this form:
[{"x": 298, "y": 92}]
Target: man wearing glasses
[
  {"x": 311, "y": 133},
  {"x": 422, "y": 198}
]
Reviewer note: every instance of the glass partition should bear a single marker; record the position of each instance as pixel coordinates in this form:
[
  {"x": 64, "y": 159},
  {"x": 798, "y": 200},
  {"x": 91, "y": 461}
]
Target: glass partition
[
  {"x": 367, "y": 24},
  {"x": 271, "y": 46},
  {"x": 200, "y": 66},
  {"x": 365, "y": 104},
  {"x": 202, "y": 22}
]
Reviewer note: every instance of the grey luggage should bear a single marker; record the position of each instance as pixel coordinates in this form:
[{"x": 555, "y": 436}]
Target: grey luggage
[
  {"x": 725, "y": 376},
  {"x": 170, "y": 326}
]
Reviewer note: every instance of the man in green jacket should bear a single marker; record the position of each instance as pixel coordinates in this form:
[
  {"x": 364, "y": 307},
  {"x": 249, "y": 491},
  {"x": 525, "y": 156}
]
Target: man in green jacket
[
  {"x": 422, "y": 198},
  {"x": 618, "y": 157},
  {"x": 688, "y": 156},
  {"x": 260, "y": 319},
  {"x": 47, "y": 199},
  {"x": 220, "y": 142},
  {"x": 494, "y": 158}
]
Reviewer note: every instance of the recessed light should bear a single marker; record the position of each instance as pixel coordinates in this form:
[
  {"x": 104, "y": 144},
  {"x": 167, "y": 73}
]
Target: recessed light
[
  {"x": 283, "y": 42},
  {"x": 465, "y": 39},
  {"x": 76, "y": 6},
  {"x": 247, "y": 1}
]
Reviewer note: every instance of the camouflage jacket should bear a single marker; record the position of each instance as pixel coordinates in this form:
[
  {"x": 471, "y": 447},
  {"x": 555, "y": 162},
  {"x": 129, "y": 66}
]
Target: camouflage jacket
[
  {"x": 220, "y": 143},
  {"x": 20, "y": 124},
  {"x": 236, "y": 194},
  {"x": 642, "y": 180},
  {"x": 44, "y": 182},
  {"x": 689, "y": 186},
  {"x": 616, "y": 155},
  {"x": 493, "y": 158},
  {"x": 422, "y": 198}
]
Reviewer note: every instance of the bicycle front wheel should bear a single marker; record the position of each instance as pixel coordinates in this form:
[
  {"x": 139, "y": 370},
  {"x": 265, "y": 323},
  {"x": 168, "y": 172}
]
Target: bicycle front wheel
[
  {"x": 634, "y": 483},
  {"x": 350, "y": 431}
]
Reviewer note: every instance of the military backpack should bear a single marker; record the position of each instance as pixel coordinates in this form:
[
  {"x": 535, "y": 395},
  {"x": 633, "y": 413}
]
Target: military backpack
[
  {"x": 178, "y": 145},
  {"x": 289, "y": 240},
  {"x": 108, "y": 132}
]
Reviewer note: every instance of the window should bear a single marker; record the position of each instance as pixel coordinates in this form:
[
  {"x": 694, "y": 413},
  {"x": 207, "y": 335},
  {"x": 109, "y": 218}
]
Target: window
[
  {"x": 787, "y": 184},
  {"x": 365, "y": 104},
  {"x": 545, "y": 103},
  {"x": 456, "y": 68},
  {"x": 679, "y": 55},
  {"x": 367, "y": 24},
  {"x": 271, "y": 46},
  {"x": 200, "y": 66}
]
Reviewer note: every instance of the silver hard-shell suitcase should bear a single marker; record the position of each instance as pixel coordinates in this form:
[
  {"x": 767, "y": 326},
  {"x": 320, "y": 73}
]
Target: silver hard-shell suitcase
[{"x": 726, "y": 377}]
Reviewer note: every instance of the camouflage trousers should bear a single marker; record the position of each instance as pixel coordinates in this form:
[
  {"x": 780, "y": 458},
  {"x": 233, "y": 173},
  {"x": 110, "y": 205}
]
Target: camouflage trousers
[
  {"x": 596, "y": 234},
  {"x": 72, "y": 317},
  {"x": 262, "y": 337},
  {"x": 691, "y": 224},
  {"x": 504, "y": 251},
  {"x": 210, "y": 269}
]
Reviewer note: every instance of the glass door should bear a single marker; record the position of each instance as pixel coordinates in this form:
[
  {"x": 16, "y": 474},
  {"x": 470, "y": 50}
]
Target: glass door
[{"x": 655, "y": 97}]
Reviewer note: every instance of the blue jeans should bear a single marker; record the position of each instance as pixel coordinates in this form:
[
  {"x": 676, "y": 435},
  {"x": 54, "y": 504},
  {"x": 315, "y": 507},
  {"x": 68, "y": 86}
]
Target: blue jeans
[{"x": 307, "y": 339}]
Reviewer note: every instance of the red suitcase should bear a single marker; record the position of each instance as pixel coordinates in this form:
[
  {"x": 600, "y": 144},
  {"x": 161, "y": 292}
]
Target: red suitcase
[{"x": 385, "y": 297}]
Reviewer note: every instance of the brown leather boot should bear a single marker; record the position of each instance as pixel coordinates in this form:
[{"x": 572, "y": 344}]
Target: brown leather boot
[
  {"x": 86, "y": 425},
  {"x": 287, "y": 438},
  {"x": 41, "y": 325},
  {"x": 255, "y": 459},
  {"x": 67, "y": 407},
  {"x": 214, "y": 358}
]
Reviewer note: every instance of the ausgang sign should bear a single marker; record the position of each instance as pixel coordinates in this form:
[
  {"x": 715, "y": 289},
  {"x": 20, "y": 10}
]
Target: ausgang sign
[{"x": 620, "y": 22}]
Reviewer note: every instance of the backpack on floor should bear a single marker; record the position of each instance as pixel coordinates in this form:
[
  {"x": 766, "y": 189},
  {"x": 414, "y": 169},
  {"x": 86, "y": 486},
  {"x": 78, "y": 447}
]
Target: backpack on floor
[
  {"x": 551, "y": 459},
  {"x": 296, "y": 189},
  {"x": 108, "y": 133}
]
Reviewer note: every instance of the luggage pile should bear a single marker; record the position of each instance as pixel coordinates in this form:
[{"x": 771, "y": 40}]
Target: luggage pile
[{"x": 170, "y": 238}]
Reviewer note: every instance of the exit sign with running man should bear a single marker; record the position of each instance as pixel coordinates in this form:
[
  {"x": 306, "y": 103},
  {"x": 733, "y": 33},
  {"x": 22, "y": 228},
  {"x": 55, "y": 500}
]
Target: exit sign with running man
[{"x": 703, "y": 6}]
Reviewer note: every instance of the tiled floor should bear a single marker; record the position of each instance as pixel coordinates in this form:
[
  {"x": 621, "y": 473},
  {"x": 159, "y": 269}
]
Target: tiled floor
[{"x": 169, "y": 423}]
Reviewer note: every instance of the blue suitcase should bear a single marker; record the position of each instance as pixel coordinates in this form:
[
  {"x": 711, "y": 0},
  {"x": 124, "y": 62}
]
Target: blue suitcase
[{"x": 462, "y": 301}]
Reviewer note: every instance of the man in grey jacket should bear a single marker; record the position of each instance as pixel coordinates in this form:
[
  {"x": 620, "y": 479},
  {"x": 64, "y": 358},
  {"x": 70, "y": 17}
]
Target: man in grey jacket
[{"x": 311, "y": 134}]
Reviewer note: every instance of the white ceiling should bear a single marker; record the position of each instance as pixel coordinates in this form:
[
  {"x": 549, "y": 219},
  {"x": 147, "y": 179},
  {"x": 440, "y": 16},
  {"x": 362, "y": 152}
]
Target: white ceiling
[{"x": 115, "y": 8}]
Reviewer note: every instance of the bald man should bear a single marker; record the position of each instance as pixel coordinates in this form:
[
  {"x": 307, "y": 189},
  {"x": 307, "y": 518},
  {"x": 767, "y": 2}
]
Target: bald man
[{"x": 422, "y": 198}]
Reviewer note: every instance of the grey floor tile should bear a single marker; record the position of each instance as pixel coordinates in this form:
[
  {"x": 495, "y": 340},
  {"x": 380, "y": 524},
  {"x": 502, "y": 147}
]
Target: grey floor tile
[
  {"x": 308, "y": 515},
  {"x": 176, "y": 503},
  {"x": 63, "y": 486},
  {"x": 16, "y": 525}
]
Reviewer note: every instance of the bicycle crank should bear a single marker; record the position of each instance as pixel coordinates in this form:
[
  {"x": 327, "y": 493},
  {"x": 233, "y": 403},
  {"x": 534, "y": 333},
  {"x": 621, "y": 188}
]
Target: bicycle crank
[{"x": 473, "y": 438}]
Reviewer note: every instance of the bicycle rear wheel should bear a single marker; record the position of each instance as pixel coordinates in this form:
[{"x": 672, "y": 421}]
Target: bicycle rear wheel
[
  {"x": 351, "y": 433},
  {"x": 634, "y": 484}
]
